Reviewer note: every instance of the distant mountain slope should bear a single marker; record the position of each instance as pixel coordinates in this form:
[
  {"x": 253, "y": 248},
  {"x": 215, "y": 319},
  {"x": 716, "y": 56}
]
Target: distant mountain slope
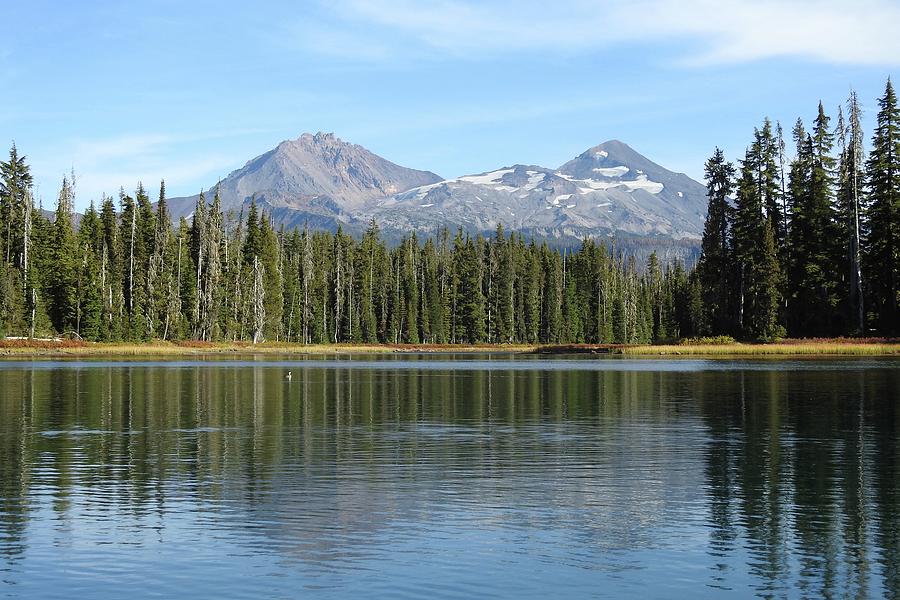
[
  {"x": 318, "y": 177},
  {"x": 608, "y": 190}
]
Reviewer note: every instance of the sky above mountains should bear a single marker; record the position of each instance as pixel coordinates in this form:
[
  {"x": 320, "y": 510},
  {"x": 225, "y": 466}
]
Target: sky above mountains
[{"x": 188, "y": 91}]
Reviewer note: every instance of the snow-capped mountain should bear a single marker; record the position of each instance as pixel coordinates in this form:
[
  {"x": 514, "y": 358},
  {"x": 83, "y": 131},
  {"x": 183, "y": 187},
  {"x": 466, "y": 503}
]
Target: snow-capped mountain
[{"x": 607, "y": 190}]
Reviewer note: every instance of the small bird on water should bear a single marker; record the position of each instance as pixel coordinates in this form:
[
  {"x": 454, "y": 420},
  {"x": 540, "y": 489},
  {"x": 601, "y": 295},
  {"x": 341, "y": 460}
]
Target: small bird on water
[{"x": 288, "y": 376}]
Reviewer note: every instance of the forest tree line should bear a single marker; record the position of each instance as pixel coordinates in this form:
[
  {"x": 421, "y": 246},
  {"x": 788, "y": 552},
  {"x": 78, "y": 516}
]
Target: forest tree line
[
  {"x": 126, "y": 274},
  {"x": 805, "y": 246}
]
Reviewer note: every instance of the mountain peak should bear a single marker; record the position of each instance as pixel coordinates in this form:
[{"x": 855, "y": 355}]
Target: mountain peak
[
  {"x": 319, "y": 173},
  {"x": 614, "y": 153},
  {"x": 612, "y": 144},
  {"x": 320, "y": 139},
  {"x": 616, "y": 150}
]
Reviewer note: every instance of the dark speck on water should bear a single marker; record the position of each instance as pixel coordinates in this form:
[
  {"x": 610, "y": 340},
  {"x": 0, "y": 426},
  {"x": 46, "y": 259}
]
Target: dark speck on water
[{"x": 450, "y": 476}]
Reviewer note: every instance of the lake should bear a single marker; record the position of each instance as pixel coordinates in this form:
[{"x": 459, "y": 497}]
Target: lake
[{"x": 450, "y": 476}]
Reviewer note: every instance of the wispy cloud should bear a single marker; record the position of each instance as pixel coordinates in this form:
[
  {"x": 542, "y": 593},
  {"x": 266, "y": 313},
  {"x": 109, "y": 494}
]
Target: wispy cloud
[
  {"x": 91, "y": 183},
  {"x": 93, "y": 152},
  {"x": 103, "y": 165},
  {"x": 718, "y": 32},
  {"x": 481, "y": 113}
]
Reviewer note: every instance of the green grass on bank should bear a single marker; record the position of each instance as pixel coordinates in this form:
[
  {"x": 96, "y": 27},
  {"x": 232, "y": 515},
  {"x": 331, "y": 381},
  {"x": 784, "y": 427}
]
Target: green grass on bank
[
  {"x": 26, "y": 348},
  {"x": 162, "y": 350},
  {"x": 773, "y": 349}
]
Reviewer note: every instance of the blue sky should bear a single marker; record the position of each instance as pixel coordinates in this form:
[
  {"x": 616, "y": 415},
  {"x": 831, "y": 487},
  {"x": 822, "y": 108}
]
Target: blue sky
[{"x": 188, "y": 91}]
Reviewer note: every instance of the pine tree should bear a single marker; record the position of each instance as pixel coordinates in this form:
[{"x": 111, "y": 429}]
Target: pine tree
[
  {"x": 715, "y": 265},
  {"x": 16, "y": 225},
  {"x": 747, "y": 235},
  {"x": 41, "y": 256},
  {"x": 753, "y": 238},
  {"x": 505, "y": 284},
  {"x": 270, "y": 259},
  {"x": 290, "y": 270},
  {"x": 882, "y": 232},
  {"x": 111, "y": 271},
  {"x": 185, "y": 280},
  {"x": 61, "y": 288},
  {"x": 306, "y": 282},
  {"x": 258, "y": 298},
  {"x": 553, "y": 295},
  {"x": 850, "y": 193},
  {"x": 470, "y": 302},
  {"x": 211, "y": 289},
  {"x": 432, "y": 317},
  {"x": 161, "y": 293},
  {"x": 409, "y": 290},
  {"x": 198, "y": 255},
  {"x": 366, "y": 282},
  {"x": 89, "y": 293},
  {"x": 657, "y": 290},
  {"x": 769, "y": 182},
  {"x": 15, "y": 183},
  {"x": 130, "y": 241},
  {"x": 764, "y": 320},
  {"x": 571, "y": 330},
  {"x": 813, "y": 279},
  {"x": 532, "y": 284}
]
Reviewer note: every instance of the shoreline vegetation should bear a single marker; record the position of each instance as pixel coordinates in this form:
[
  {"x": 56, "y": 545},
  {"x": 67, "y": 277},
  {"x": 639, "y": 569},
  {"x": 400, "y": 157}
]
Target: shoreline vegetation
[{"x": 24, "y": 348}]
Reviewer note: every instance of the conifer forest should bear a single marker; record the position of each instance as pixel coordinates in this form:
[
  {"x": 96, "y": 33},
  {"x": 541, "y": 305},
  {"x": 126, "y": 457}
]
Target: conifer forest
[{"x": 802, "y": 239}]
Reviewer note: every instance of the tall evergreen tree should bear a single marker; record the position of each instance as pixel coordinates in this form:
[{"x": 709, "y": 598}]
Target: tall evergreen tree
[
  {"x": 753, "y": 238},
  {"x": 765, "y": 290},
  {"x": 882, "y": 232},
  {"x": 747, "y": 234},
  {"x": 16, "y": 225},
  {"x": 111, "y": 271},
  {"x": 715, "y": 265},
  {"x": 813, "y": 279},
  {"x": 851, "y": 178},
  {"x": 15, "y": 183},
  {"x": 269, "y": 257},
  {"x": 61, "y": 287}
]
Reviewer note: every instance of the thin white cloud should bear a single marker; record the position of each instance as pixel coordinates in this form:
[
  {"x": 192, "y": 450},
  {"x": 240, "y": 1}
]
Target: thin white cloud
[
  {"x": 717, "y": 32},
  {"x": 89, "y": 153},
  {"x": 94, "y": 182},
  {"x": 862, "y": 32},
  {"x": 476, "y": 114},
  {"x": 103, "y": 165}
]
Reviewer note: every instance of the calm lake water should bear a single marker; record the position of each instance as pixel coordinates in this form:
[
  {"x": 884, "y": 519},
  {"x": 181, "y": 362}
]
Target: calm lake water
[{"x": 450, "y": 476}]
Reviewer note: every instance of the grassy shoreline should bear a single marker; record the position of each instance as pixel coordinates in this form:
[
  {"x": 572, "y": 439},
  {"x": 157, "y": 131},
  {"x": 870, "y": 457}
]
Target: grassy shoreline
[
  {"x": 772, "y": 349},
  {"x": 164, "y": 350}
]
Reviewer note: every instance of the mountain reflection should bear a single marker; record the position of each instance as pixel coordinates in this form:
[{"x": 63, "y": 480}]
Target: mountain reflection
[{"x": 766, "y": 480}]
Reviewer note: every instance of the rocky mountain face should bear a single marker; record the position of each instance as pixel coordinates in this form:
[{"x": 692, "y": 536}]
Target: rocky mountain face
[
  {"x": 608, "y": 190},
  {"x": 318, "y": 179}
]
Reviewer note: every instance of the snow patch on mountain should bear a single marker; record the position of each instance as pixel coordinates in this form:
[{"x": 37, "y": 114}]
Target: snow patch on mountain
[
  {"x": 611, "y": 171},
  {"x": 486, "y": 178}
]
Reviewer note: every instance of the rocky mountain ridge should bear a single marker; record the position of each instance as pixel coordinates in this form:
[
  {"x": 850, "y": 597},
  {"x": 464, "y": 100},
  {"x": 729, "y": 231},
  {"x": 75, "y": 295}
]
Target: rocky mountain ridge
[{"x": 608, "y": 190}]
